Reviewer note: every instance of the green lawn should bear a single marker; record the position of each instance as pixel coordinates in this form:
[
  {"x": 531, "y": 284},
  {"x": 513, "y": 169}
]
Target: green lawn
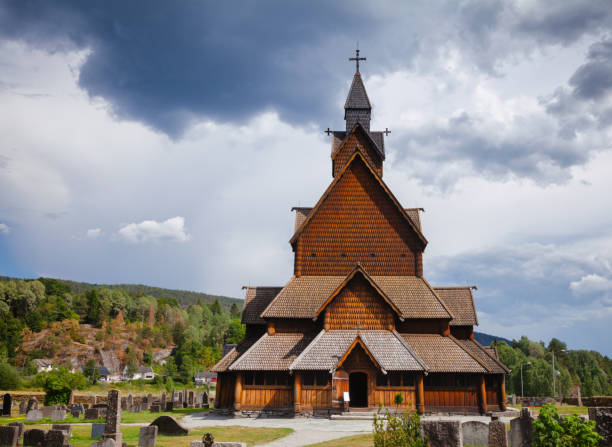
[
  {"x": 80, "y": 435},
  {"x": 126, "y": 417},
  {"x": 353, "y": 441},
  {"x": 564, "y": 410}
]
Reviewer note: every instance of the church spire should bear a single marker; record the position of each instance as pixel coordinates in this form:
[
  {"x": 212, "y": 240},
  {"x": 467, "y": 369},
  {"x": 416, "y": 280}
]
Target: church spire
[{"x": 357, "y": 108}]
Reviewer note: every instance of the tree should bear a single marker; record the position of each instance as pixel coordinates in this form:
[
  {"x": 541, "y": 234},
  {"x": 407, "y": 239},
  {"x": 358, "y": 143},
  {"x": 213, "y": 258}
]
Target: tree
[
  {"x": 215, "y": 307},
  {"x": 235, "y": 311},
  {"x": 550, "y": 430},
  {"x": 58, "y": 384},
  {"x": 9, "y": 377},
  {"x": 235, "y": 332},
  {"x": 91, "y": 371}
]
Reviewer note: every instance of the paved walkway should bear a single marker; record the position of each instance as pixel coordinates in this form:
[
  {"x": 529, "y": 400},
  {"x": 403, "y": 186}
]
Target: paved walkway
[{"x": 306, "y": 430}]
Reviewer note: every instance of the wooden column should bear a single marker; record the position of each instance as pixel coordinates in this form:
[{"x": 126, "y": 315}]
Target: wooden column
[
  {"x": 482, "y": 395},
  {"x": 218, "y": 392},
  {"x": 502, "y": 393},
  {"x": 420, "y": 394},
  {"x": 271, "y": 328},
  {"x": 297, "y": 392},
  {"x": 238, "y": 391}
]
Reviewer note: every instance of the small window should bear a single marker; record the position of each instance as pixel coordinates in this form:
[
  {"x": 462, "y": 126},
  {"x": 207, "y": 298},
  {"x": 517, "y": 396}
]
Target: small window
[
  {"x": 282, "y": 379},
  {"x": 395, "y": 379},
  {"x": 343, "y": 255},
  {"x": 259, "y": 378},
  {"x": 403, "y": 255},
  {"x": 308, "y": 379},
  {"x": 248, "y": 378},
  {"x": 270, "y": 378},
  {"x": 381, "y": 379},
  {"x": 408, "y": 379},
  {"x": 313, "y": 255},
  {"x": 372, "y": 255},
  {"x": 322, "y": 378}
]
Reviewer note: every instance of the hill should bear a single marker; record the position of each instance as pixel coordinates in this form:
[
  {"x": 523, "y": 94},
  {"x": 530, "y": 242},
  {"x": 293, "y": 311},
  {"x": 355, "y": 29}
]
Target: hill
[
  {"x": 486, "y": 339},
  {"x": 184, "y": 297}
]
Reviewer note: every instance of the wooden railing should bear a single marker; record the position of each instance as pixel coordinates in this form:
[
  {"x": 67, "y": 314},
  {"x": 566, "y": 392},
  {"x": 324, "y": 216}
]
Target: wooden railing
[
  {"x": 266, "y": 396},
  {"x": 316, "y": 396}
]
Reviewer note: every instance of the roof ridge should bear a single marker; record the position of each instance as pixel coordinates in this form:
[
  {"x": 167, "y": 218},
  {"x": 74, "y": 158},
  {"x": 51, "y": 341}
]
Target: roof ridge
[
  {"x": 480, "y": 362},
  {"x": 437, "y": 297},
  {"x": 410, "y": 350},
  {"x": 454, "y": 287},
  {"x": 482, "y": 348},
  {"x": 299, "y": 357},
  {"x": 380, "y": 182},
  {"x": 270, "y": 303}
]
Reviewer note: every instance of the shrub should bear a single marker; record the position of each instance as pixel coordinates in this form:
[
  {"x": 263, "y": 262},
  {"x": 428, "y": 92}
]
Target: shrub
[
  {"x": 550, "y": 430},
  {"x": 9, "y": 378},
  {"x": 399, "y": 430},
  {"x": 58, "y": 384}
]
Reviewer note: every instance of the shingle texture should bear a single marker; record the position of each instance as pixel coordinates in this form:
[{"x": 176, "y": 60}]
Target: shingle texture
[
  {"x": 378, "y": 138},
  {"x": 303, "y": 296},
  {"x": 272, "y": 353},
  {"x": 301, "y": 213},
  {"x": 357, "y": 97},
  {"x": 229, "y": 358},
  {"x": 387, "y": 348},
  {"x": 442, "y": 354},
  {"x": 460, "y": 302},
  {"x": 255, "y": 301},
  {"x": 413, "y": 213},
  {"x": 485, "y": 358}
]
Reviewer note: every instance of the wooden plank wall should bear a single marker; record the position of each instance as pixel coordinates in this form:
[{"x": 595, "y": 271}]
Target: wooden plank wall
[
  {"x": 316, "y": 397},
  {"x": 266, "y": 396},
  {"x": 386, "y": 396},
  {"x": 450, "y": 397}
]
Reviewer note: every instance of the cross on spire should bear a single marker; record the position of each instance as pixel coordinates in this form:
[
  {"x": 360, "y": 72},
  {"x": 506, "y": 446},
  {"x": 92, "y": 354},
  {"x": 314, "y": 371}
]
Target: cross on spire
[
  {"x": 357, "y": 59},
  {"x": 386, "y": 131}
]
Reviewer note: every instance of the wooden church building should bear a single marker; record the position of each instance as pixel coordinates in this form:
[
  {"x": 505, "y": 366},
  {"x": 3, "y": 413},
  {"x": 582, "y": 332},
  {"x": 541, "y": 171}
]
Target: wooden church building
[{"x": 358, "y": 315}]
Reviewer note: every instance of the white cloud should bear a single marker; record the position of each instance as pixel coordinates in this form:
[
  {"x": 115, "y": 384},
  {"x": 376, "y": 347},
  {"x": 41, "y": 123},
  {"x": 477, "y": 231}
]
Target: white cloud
[
  {"x": 93, "y": 233},
  {"x": 172, "y": 229},
  {"x": 4, "y": 228},
  {"x": 590, "y": 284}
]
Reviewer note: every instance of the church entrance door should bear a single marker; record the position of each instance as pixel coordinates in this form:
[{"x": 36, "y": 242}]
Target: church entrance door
[{"x": 358, "y": 389}]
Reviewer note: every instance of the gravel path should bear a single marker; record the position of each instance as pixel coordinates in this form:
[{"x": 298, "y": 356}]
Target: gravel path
[{"x": 306, "y": 430}]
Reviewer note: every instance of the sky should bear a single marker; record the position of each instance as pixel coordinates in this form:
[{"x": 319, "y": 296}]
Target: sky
[{"x": 164, "y": 143}]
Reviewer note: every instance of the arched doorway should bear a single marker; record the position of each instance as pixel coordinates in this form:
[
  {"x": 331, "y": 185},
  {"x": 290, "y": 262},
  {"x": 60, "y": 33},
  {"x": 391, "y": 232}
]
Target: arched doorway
[{"x": 358, "y": 389}]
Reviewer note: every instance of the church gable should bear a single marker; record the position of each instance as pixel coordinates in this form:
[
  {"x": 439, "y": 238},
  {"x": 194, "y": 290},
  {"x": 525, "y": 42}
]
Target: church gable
[
  {"x": 358, "y": 305},
  {"x": 358, "y": 221},
  {"x": 357, "y": 140},
  {"x": 357, "y": 357}
]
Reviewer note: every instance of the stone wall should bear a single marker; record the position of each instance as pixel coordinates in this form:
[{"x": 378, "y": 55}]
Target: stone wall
[{"x": 595, "y": 401}]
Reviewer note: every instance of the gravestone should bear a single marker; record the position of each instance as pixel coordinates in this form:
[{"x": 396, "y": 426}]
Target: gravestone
[
  {"x": 9, "y": 435},
  {"x": 521, "y": 430},
  {"x": 108, "y": 442},
  {"x": 97, "y": 429},
  {"x": 475, "y": 433},
  {"x": 56, "y": 438},
  {"x": 163, "y": 399},
  {"x": 167, "y": 425},
  {"x": 124, "y": 405},
  {"x": 7, "y": 403},
  {"x": 169, "y": 405},
  {"x": 205, "y": 402},
  {"x": 32, "y": 404},
  {"x": 92, "y": 413},
  {"x": 130, "y": 400},
  {"x": 147, "y": 436},
  {"x": 22, "y": 407},
  {"x": 46, "y": 411},
  {"x": 190, "y": 402},
  {"x": 443, "y": 433},
  {"x": 58, "y": 415},
  {"x": 34, "y": 437},
  {"x": 34, "y": 416},
  {"x": 603, "y": 424},
  {"x": 155, "y": 408},
  {"x": 217, "y": 444},
  {"x": 497, "y": 434},
  {"x": 76, "y": 413},
  {"x": 66, "y": 428},
  {"x": 20, "y": 426},
  {"x": 113, "y": 417}
]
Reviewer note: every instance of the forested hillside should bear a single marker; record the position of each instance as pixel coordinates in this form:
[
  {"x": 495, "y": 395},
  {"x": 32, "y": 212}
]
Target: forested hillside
[
  {"x": 588, "y": 369},
  {"x": 44, "y": 318}
]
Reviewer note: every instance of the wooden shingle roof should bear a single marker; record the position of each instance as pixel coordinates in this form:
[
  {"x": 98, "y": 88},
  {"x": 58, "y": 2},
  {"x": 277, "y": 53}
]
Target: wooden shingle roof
[
  {"x": 460, "y": 301},
  {"x": 301, "y": 213},
  {"x": 357, "y": 97},
  {"x": 234, "y": 353},
  {"x": 443, "y": 354},
  {"x": 481, "y": 353},
  {"x": 303, "y": 296},
  {"x": 272, "y": 352},
  {"x": 387, "y": 348},
  {"x": 255, "y": 301}
]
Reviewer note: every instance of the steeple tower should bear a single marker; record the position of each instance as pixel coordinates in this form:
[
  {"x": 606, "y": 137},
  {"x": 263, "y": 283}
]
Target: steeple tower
[{"x": 357, "y": 108}]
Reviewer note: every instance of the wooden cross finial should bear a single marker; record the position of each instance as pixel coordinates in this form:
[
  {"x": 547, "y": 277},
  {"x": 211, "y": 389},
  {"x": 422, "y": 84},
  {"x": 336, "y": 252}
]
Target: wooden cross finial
[
  {"x": 357, "y": 59},
  {"x": 328, "y": 131},
  {"x": 386, "y": 131}
]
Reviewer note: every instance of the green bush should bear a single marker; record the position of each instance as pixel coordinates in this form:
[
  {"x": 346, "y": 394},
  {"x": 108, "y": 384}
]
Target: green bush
[
  {"x": 58, "y": 384},
  {"x": 9, "y": 377},
  {"x": 399, "y": 430},
  {"x": 550, "y": 430}
]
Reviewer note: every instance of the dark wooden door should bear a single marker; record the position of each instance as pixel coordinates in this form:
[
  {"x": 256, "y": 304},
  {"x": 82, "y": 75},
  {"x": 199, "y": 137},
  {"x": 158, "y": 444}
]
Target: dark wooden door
[{"x": 358, "y": 389}]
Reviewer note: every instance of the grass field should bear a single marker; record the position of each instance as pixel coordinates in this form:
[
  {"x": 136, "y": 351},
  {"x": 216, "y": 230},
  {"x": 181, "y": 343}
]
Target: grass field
[
  {"x": 126, "y": 417},
  {"x": 564, "y": 410},
  {"x": 252, "y": 436},
  {"x": 353, "y": 441}
]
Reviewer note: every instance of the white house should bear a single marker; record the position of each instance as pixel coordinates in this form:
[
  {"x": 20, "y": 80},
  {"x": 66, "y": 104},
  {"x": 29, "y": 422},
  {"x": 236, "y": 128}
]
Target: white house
[
  {"x": 45, "y": 365},
  {"x": 144, "y": 372},
  {"x": 202, "y": 378}
]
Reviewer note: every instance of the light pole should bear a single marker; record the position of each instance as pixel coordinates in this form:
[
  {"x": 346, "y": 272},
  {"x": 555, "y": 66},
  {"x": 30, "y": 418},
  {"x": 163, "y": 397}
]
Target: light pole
[
  {"x": 553, "y": 370},
  {"x": 526, "y": 363}
]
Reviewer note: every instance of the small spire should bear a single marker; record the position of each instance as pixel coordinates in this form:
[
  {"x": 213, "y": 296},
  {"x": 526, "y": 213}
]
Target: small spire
[{"x": 357, "y": 59}]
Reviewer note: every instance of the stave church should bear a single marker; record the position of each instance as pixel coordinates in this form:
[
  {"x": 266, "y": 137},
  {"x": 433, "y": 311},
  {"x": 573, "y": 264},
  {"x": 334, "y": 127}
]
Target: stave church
[{"x": 358, "y": 323}]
